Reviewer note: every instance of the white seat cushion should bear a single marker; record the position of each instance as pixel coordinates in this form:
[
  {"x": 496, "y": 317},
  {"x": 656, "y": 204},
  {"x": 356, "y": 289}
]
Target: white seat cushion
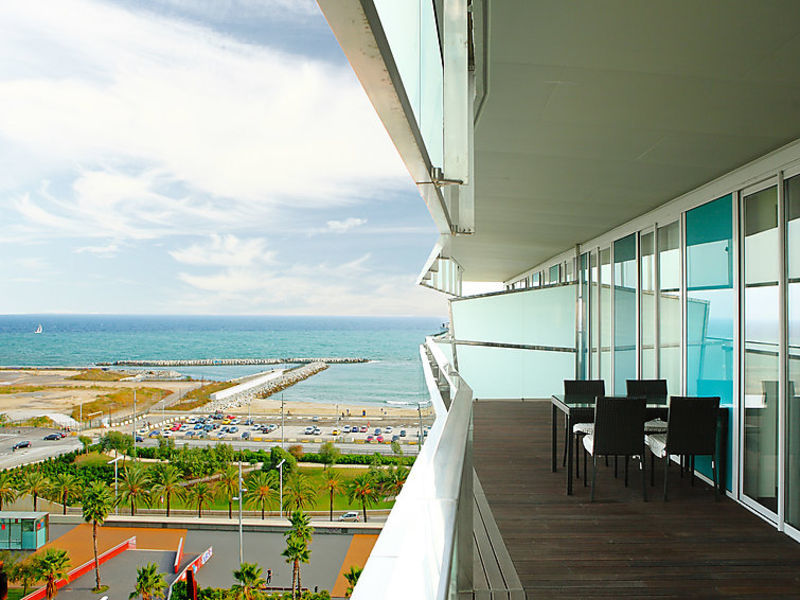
[
  {"x": 657, "y": 443},
  {"x": 655, "y": 426},
  {"x": 588, "y": 443},
  {"x": 584, "y": 428}
]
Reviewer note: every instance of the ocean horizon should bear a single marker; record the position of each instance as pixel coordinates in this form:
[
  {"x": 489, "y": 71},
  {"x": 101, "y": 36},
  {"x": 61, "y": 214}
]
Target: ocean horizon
[{"x": 391, "y": 343}]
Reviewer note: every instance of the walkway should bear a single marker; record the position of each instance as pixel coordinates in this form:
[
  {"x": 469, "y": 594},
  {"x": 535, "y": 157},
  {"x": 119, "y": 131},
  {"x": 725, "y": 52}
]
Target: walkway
[{"x": 619, "y": 546}]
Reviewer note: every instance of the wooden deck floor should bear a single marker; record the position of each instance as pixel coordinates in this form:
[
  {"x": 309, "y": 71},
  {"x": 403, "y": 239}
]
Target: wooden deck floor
[{"x": 619, "y": 546}]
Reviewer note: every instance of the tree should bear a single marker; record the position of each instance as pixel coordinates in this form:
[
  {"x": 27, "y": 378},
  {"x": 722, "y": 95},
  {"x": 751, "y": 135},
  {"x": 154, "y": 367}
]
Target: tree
[
  {"x": 98, "y": 502},
  {"x": 331, "y": 483},
  {"x": 134, "y": 486},
  {"x": 364, "y": 489},
  {"x": 50, "y": 566},
  {"x": 397, "y": 450},
  {"x": 150, "y": 584},
  {"x": 8, "y": 491},
  {"x": 276, "y": 455},
  {"x": 262, "y": 489},
  {"x": 352, "y": 579},
  {"x": 167, "y": 483},
  {"x": 24, "y": 573},
  {"x": 298, "y": 492},
  {"x": 201, "y": 494},
  {"x": 298, "y": 537},
  {"x": 296, "y": 450},
  {"x": 392, "y": 481},
  {"x": 66, "y": 488},
  {"x": 35, "y": 483},
  {"x": 228, "y": 482},
  {"x": 329, "y": 453},
  {"x": 250, "y": 580},
  {"x": 85, "y": 441},
  {"x": 116, "y": 441}
]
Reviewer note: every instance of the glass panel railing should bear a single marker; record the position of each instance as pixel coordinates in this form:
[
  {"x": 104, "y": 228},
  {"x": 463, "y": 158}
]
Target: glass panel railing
[
  {"x": 412, "y": 33},
  {"x": 414, "y": 554}
]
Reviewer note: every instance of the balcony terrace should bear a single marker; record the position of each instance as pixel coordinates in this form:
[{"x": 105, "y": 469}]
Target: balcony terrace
[{"x": 618, "y": 547}]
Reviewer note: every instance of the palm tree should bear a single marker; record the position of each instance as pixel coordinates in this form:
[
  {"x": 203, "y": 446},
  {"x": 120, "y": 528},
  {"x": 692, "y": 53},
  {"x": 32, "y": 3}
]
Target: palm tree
[
  {"x": 296, "y": 552},
  {"x": 228, "y": 482},
  {"x": 261, "y": 489},
  {"x": 35, "y": 483},
  {"x": 8, "y": 492},
  {"x": 331, "y": 483},
  {"x": 150, "y": 584},
  {"x": 201, "y": 493},
  {"x": 134, "y": 486},
  {"x": 365, "y": 489},
  {"x": 352, "y": 579},
  {"x": 51, "y": 566},
  {"x": 167, "y": 482},
  {"x": 65, "y": 488},
  {"x": 393, "y": 481},
  {"x": 250, "y": 580},
  {"x": 98, "y": 502},
  {"x": 299, "y": 492}
]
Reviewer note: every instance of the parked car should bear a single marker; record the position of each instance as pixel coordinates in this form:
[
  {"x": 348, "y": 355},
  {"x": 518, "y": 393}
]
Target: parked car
[
  {"x": 233, "y": 429},
  {"x": 350, "y": 516},
  {"x": 52, "y": 436},
  {"x": 402, "y": 433},
  {"x": 377, "y": 431},
  {"x": 395, "y": 438},
  {"x": 370, "y": 439},
  {"x": 198, "y": 426},
  {"x": 154, "y": 433},
  {"x": 225, "y": 429},
  {"x": 335, "y": 431},
  {"x": 18, "y": 445},
  {"x": 308, "y": 430},
  {"x": 363, "y": 429},
  {"x": 346, "y": 429},
  {"x": 245, "y": 435},
  {"x": 139, "y": 439},
  {"x": 379, "y": 439},
  {"x": 317, "y": 431},
  {"x": 387, "y": 429}
]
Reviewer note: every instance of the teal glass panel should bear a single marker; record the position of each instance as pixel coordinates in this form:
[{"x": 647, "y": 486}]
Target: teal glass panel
[
  {"x": 594, "y": 315},
  {"x": 710, "y": 307},
  {"x": 606, "y": 308},
  {"x": 792, "y": 486},
  {"x": 624, "y": 312},
  {"x": 647, "y": 300},
  {"x": 554, "y": 274}
]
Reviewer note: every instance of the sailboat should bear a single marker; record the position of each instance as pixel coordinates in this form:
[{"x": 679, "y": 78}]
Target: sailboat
[{"x": 38, "y": 329}]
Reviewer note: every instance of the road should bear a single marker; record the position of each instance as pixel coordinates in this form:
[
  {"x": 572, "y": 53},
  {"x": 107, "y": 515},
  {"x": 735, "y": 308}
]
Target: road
[{"x": 40, "y": 449}]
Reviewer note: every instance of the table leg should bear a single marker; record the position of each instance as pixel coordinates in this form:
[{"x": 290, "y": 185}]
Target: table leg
[
  {"x": 569, "y": 456},
  {"x": 554, "y": 435}
]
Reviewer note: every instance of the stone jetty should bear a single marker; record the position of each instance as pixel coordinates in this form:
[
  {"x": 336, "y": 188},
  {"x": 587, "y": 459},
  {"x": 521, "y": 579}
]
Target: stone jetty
[{"x": 227, "y": 362}]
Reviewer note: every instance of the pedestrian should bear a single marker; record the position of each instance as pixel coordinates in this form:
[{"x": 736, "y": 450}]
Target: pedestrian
[{"x": 269, "y": 575}]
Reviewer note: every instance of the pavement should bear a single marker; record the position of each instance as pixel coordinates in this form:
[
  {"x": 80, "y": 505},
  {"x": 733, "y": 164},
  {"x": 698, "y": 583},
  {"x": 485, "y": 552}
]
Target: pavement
[{"x": 40, "y": 449}]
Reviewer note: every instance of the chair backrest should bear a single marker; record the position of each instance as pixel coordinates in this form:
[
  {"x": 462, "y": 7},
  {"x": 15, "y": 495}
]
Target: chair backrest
[
  {"x": 584, "y": 389},
  {"x": 654, "y": 390},
  {"x": 692, "y": 427},
  {"x": 619, "y": 425}
]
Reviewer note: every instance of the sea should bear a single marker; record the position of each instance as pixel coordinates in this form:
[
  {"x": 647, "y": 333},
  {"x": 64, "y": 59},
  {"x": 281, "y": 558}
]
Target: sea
[{"x": 393, "y": 375}]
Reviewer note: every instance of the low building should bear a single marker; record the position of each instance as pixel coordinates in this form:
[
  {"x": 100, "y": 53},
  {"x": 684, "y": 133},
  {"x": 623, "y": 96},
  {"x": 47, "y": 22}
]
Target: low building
[{"x": 20, "y": 530}]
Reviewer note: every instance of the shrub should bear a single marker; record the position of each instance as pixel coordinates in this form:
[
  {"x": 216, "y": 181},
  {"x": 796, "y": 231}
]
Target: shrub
[{"x": 297, "y": 451}]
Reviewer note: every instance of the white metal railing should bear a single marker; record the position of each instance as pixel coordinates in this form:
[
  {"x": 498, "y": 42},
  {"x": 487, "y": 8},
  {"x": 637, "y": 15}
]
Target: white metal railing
[{"x": 412, "y": 557}]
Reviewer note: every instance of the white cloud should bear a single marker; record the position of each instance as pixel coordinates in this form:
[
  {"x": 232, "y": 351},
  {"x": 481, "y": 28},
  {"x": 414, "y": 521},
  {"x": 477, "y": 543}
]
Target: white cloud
[
  {"x": 225, "y": 251},
  {"x": 107, "y": 251},
  {"x": 145, "y": 106},
  {"x": 346, "y": 225}
]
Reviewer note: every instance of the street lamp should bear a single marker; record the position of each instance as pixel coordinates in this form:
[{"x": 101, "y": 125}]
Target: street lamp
[
  {"x": 280, "y": 500},
  {"x": 241, "y": 500}
]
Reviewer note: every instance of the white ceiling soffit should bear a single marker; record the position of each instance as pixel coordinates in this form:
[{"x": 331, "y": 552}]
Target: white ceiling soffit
[{"x": 601, "y": 111}]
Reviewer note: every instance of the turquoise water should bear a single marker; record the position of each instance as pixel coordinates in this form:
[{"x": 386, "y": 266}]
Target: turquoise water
[{"x": 392, "y": 343}]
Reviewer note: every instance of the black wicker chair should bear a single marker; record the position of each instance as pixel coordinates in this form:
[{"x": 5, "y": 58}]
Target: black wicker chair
[
  {"x": 581, "y": 390},
  {"x": 618, "y": 431},
  {"x": 655, "y": 392},
  {"x": 692, "y": 431}
]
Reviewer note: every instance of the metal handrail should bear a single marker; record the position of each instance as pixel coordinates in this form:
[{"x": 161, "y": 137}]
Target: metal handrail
[{"x": 413, "y": 555}]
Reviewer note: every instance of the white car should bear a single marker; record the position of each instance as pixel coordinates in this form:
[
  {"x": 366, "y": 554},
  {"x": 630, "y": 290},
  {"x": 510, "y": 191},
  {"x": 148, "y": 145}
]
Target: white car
[
  {"x": 350, "y": 516},
  {"x": 346, "y": 429},
  {"x": 387, "y": 429},
  {"x": 309, "y": 430}
]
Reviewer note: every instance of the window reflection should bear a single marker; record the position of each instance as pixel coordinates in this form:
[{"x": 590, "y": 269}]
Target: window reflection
[
  {"x": 624, "y": 312},
  {"x": 669, "y": 306}
]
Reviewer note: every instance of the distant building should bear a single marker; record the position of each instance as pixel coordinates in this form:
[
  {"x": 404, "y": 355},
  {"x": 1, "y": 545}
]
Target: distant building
[{"x": 23, "y": 530}]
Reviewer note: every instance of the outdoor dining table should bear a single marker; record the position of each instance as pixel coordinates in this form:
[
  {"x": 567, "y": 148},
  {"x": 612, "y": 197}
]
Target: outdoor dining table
[{"x": 580, "y": 411}]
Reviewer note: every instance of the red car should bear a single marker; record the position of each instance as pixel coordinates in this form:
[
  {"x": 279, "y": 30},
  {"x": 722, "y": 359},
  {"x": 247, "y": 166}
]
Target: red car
[
  {"x": 369, "y": 439},
  {"x": 379, "y": 439},
  {"x": 363, "y": 429}
]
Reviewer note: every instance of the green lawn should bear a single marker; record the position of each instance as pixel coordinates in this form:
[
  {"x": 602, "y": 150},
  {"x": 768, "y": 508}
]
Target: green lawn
[
  {"x": 340, "y": 502},
  {"x": 93, "y": 459},
  {"x": 14, "y": 593}
]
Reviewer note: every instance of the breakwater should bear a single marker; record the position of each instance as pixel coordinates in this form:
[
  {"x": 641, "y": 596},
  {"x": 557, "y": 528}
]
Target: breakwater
[{"x": 228, "y": 362}]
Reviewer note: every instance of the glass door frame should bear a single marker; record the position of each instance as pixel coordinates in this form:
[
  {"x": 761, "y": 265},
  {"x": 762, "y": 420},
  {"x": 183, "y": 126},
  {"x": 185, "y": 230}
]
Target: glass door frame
[{"x": 739, "y": 345}]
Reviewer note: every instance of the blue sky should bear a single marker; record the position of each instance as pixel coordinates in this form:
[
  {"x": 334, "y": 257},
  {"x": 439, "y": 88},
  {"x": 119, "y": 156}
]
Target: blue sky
[{"x": 168, "y": 156}]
